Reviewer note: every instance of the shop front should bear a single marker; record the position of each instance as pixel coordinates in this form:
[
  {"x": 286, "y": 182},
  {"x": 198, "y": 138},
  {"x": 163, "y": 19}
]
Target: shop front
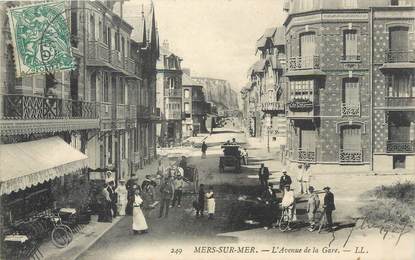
[{"x": 37, "y": 178}]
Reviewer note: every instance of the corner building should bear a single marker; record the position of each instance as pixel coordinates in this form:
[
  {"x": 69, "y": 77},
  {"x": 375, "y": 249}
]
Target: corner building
[{"x": 351, "y": 84}]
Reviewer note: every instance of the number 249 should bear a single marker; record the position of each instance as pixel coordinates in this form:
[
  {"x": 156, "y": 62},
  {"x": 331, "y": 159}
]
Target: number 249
[{"x": 176, "y": 251}]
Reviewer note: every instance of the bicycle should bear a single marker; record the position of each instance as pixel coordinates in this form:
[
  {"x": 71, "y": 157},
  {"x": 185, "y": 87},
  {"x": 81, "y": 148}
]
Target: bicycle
[{"x": 61, "y": 234}]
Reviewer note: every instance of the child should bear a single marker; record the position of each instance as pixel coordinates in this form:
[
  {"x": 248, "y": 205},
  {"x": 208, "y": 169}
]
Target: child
[{"x": 210, "y": 202}]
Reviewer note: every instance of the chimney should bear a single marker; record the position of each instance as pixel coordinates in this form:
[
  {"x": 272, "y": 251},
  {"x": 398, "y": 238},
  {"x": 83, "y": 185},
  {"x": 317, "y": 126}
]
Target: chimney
[
  {"x": 186, "y": 71},
  {"x": 166, "y": 44}
]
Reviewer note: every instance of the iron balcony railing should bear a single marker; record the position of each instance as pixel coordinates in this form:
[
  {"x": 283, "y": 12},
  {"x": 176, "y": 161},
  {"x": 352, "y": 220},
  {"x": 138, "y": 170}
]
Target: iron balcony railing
[
  {"x": 174, "y": 115},
  {"x": 306, "y": 155},
  {"x": 350, "y": 110},
  {"x": 173, "y": 93},
  {"x": 399, "y": 56},
  {"x": 116, "y": 59},
  {"x": 23, "y": 107},
  {"x": 351, "y": 155},
  {"x": 98, "y": 51},
  {"x": 129, "y": 65},
  {"x": 400, "y": 147},
  {"x": 400, "y": 102},
  {"x": 304, "y": 62}
]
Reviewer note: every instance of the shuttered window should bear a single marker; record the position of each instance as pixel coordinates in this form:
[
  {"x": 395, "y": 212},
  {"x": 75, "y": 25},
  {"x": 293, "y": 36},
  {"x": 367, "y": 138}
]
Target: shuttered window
[
  {"x": 307, "y": 44},
  {"x": 308, "y": 139},
  {"x": 350, "y": 45},
  {"x": 93, "y": 87},
  {"x": 351, "y": 137},
  {"x": 398, "y": 38},
  {"x": 351, "y": 91}
]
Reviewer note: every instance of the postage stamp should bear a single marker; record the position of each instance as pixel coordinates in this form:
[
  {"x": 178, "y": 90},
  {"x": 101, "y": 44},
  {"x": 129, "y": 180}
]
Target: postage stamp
[{"x": 41, "y": 38}]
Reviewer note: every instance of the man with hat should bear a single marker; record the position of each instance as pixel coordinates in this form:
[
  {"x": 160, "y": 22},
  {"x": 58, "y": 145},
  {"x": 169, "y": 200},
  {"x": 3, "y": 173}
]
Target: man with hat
[
  {"x": 284, "y": 180},
  {"x": 263, "y": 175},
  {"x": 270, "y": 199},
  {"x": 312, "y": 206},
  {"x": 329, "y": 207}
]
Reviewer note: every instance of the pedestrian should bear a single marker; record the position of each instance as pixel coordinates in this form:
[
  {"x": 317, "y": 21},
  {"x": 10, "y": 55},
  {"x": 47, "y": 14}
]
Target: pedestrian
[
  {"x": 139, "y": 221},
  {"x": 234, "y": 141},
  {"x": 210, "y": 198},
  {"x": 244, "y": 154},
  {"x": 307, "y": 176},
  {"x": 288, "y": 203},
  {"x": 166, "y": 195},
  {"x": 160, "y": 169},
  {"x": 329, "y": 207},
  {"x": 284, "y": 180},
  {"x": 300, "y": 173},
  {"x": 178, "y": 190},
  {"x": 263, "y": 175},
  {"x": 313, "y": 204},
  {"x": 113, "y": 198},
  {"x": 270, "y": 199},
  {"x": 104, "y": 202},
  {"x": 122, "y": 195},
  {"x": 200, "y": 201},
  {"x": 204, "y": 149},
  {"x": 183, "y": 162}
]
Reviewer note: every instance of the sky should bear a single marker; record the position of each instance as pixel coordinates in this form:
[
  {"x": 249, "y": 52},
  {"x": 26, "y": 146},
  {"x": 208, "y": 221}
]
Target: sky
[{"x": 216, "y": 38}]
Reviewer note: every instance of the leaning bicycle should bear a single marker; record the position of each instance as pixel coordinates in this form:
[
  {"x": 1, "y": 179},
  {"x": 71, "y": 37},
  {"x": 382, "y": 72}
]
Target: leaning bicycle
[
  {"x": 61, "y": 234},
  {"x": 285, "y": 220}
]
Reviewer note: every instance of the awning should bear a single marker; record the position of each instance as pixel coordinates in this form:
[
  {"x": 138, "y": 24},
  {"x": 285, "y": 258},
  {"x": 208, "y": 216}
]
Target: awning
[{"x": 25, "y": 164}]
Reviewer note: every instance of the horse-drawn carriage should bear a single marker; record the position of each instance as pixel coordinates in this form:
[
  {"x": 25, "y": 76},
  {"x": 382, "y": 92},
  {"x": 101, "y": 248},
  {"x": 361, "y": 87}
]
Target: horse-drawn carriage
[{"x": 231, "y": 158}]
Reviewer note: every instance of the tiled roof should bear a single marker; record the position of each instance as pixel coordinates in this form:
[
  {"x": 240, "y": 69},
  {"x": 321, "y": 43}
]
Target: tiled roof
[
  {"x": 188, "y": 81},
  {"x": 279, "y": 36}
]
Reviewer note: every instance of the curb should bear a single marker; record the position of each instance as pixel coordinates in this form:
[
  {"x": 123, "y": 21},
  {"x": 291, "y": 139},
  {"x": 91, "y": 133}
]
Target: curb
[{"x": 92, "y": 242}]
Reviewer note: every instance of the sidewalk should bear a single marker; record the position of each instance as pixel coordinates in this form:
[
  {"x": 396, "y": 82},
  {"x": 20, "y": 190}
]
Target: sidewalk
[{"x": 81, "y": 241}]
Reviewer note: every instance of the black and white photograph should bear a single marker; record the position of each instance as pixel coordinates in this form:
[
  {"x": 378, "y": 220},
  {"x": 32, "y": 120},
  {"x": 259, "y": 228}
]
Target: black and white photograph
[{"x": 207, "y": 129}]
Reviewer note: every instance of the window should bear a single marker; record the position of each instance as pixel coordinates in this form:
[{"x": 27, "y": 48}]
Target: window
[
  {"x": 121, "y": 92},
  {"x": 350, "y": 136},
  {"x": 349, "y": 3},
  {"x": 106, "y": 87},
  {"x": 109, "y": 149},
  {"x": 302, "y": 89},
  {"x": 401, "y": 85},
  {"x": 92, "y": 28},
  {"x": 395, "y": 2},
  {"x": 350, "y": 45},
  {"x": 124, "y": 148},
  {"x": 74, "y": 24},
  {"x": 172, "y": 83},
  {"x": 186, "y": 93},
  {"x": 187, "y": 108},
  {"x": 93, "y": 87},
  {"x": 351, "y": 91}
]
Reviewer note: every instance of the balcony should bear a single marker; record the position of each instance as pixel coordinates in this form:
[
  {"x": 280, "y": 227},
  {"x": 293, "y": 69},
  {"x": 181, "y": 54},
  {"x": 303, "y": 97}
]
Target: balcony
[
  {"x": 143, "y": 111},
  {"x": 399, "y": 57},
  {"x": 24, "y": 114},
  {"x": 176, "y": 93},
  {"x": 304, "y": 63},
  {"x": 306, "y": 155},
  {"x": 350, "y": 110},
  {"x": 174, "y": 115},
  {"x": 400, "y": 102},
  {"x": 116, "y": 59},
  {"x": 97, "y": 52},
  {"x": 132, "y": 112},
  {"x": 106, "y": 111},
  {"x": 400, "y": 147},
  {"x": 350, "y": 156},
  {"x": 121, "y": 111},
  {"x": 129, "y": 65}
]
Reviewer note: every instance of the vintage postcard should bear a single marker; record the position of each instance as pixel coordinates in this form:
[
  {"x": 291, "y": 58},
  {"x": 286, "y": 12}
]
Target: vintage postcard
[{"x": 207, "y": 129}]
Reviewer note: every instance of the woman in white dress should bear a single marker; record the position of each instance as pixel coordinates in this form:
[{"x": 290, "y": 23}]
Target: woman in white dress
[
  {"x": 122, "y": 192},
  {"x": 210, "y": 202},
  {"x": 139, "y": 221}
]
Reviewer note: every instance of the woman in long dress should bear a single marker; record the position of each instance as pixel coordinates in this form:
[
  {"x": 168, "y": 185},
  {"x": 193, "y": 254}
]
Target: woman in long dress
[
  {"x": 139, "y": 221},
  {"x": 122, "y": 192},
  {"x": 210, "y": 202}
]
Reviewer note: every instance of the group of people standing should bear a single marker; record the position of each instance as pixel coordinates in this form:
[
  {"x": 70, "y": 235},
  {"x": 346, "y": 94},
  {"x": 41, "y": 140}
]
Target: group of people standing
[
  {"x": 288, "y": 200},
  {"x": 203, "y": 198}
]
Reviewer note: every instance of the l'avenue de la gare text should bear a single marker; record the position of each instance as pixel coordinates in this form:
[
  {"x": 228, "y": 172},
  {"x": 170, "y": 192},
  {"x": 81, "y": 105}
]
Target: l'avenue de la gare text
[{"x": 254, "y": 250}]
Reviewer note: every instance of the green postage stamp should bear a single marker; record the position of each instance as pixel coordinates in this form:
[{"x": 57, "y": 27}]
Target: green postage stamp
[{"x": 41, "y": 38}]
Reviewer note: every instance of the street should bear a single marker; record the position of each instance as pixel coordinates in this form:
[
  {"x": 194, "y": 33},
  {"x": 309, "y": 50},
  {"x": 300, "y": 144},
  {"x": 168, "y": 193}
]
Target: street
[{"x": 181, "y": 233}]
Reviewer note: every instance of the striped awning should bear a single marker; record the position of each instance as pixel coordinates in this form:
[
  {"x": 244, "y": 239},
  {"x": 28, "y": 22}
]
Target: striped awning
[{"x": 26, "y": 164}]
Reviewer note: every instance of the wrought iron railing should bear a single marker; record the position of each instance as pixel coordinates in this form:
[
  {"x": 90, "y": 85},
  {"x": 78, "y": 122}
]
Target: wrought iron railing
[
  {"x": 22, "y": 107},
  {"x": 116, "y": 59},
  {"x": 350, "y": 155},
  {"x": 350, "y": 110},
  {"x": 304, "y": 62},
  {"x": 400, "y": 101},
  {"x": 174, "y": 115},
  {"x": 129, "y": 65},
  {"x": 399, "y": 56},
  {"x": 306, "y": 155},
  {"x": 400, "y": 147},
  {"x": 98, "y": 51},
  {"x": 350, "y": 57},
  {"x": 173, "y": 93}
]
